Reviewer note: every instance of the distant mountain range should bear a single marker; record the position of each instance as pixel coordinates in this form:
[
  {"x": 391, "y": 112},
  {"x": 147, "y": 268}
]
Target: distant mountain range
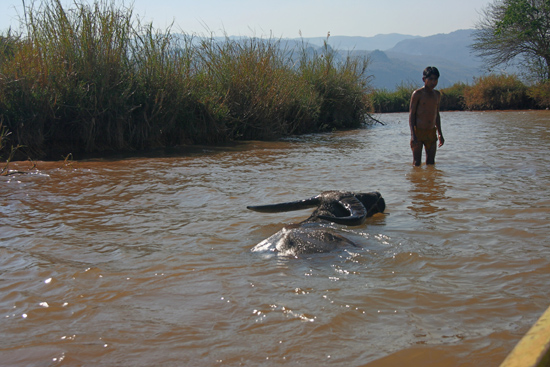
[
  {"x": 346, "y": 43},
  {"x": 400, "y": 59},
  {"x": 397, "y": 59}
]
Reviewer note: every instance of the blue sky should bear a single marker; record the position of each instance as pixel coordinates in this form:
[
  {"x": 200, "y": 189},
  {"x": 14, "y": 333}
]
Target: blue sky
[{"x": 290, "y": 18}]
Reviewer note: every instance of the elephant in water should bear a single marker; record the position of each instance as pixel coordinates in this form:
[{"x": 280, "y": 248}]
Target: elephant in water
[{"x": 310, "y": 235}]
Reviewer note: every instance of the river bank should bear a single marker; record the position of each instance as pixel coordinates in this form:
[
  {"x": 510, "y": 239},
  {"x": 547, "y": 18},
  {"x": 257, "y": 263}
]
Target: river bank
[{"x": 93, "y": 81}]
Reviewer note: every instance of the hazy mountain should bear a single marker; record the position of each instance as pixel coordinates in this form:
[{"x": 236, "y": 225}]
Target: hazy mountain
[
  {"x": 400, "y": 59},
  {"x": 404, "y": 62},
  {"x": 391, "y": 69},
  {"x": 342, "y": 43},
  {"x": 452, "y": 46},
  {"x": 378, "y": 42}
]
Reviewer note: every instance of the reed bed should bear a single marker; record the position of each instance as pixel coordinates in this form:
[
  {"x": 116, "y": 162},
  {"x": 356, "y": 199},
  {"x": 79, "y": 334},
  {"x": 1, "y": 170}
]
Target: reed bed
[
  {"x": 383, "y": 100},
  {"x": 93, "y": 79},
  {"x": 452, "y": 98}
]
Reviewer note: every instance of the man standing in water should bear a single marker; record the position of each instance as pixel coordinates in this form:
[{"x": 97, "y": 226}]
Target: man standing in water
[{"x": 424, "y": 119}]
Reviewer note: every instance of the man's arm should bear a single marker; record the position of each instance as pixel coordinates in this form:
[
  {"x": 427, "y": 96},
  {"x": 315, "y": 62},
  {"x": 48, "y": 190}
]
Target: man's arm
[
  {"x": 412, "y": 114},
  {"x": 438, "y": 123}
]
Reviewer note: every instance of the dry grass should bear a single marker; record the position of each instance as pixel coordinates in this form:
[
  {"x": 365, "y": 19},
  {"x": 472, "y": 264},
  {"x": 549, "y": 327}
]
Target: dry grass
[{"x": 497, "y": 92}]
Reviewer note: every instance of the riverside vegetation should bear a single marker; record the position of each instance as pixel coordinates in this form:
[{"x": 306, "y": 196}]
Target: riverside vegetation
[
  {"x": 491, "y": 92},
  {"x": 92, "y": 80}
]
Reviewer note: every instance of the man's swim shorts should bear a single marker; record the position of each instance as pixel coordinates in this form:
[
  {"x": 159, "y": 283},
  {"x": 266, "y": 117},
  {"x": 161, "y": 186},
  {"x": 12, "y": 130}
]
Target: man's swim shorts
[{"x": 426, "y": 137}]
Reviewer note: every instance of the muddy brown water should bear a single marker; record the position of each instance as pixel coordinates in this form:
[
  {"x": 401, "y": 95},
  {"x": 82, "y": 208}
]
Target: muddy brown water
[{"x": 147, "y": 262}]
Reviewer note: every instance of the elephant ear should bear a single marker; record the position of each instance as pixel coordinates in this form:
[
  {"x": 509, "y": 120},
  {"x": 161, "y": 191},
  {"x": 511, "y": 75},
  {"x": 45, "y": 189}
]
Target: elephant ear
[
  {"x": 356, "y": 209},
  {"x": 286, "y": 207}
]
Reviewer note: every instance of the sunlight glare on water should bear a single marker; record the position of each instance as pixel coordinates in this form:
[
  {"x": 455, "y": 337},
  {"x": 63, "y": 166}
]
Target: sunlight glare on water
[{"x": 146, "y": 261}]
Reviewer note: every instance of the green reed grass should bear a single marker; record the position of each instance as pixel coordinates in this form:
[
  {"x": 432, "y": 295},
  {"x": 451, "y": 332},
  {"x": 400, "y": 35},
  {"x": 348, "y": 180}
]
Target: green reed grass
[
  {"x": 256, "y": 88},
  {"x": 383, "y": 100},
  {"x": 341, "y": 83},
  {"x": 4, "y": 167},
  {"x": 92, "y": 78},
  {"x": 452, "y": 98}
]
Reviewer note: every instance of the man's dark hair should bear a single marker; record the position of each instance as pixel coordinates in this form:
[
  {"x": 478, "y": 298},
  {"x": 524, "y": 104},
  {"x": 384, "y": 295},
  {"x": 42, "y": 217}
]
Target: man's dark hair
[{"x": 429, "y": 71}]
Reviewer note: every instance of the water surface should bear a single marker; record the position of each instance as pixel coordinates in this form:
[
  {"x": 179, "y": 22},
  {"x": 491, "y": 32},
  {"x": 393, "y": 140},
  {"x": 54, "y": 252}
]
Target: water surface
[{"x": 146, "y": 261}]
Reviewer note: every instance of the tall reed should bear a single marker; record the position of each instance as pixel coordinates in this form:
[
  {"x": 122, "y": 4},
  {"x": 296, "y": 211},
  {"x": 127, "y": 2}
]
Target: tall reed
[
  {"x": 342, "y": 84},
  {"x": 68, "y": 85},
  {"x": 92, "y": 78},
  {"x": 262, "y": 95},
  {"x": 452, "y": 98},
  {"x": 398, "y": 100}
]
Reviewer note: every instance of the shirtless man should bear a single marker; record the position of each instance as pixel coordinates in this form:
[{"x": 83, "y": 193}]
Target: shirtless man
[{"x": 424, "y": 119}]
